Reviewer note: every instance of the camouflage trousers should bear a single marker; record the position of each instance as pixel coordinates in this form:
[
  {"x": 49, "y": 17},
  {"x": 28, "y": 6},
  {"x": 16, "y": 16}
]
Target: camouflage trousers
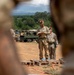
[
  {"x": 43, "y": 45},
  {"x": 51, "y": 48}
]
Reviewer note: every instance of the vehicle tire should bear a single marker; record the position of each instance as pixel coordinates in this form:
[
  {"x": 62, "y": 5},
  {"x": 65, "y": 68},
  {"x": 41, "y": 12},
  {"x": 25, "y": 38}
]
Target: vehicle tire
[{"x": 29, "y": 40}]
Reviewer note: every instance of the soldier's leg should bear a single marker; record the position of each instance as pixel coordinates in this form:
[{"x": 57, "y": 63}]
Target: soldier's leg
[
  {"x": 53, "y": 53},
  {"x": 40, "y": 50},
  {"x": 46, "y": 50},
  {"x": 50, "y": 54}
]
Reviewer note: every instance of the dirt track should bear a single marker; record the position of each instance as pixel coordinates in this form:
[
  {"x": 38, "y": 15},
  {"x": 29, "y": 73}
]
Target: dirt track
[{"x": 28, "y": 51}]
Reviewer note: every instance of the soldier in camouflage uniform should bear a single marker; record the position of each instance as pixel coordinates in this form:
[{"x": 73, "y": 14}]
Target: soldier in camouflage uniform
[
  {"x": 22, "y": 36},
  {"x": 9, "y": 60},
  {"x": 42, "y": 33},
  {"x": 13, "y": 33},
  {"x": 52, "y": 42}
]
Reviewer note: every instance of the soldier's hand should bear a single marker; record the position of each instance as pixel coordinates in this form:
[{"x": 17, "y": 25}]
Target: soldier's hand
[
  {"x": 41, "y": 33},
  {"x": 38, "y": 33}
]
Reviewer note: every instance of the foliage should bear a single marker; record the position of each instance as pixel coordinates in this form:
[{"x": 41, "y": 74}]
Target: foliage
[{"x": 26, "y": 22}]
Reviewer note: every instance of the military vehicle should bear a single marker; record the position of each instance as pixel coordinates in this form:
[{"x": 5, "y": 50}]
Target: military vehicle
[
  {"x": 26, "y": 35},
  {"x": 30, "y": 35}
]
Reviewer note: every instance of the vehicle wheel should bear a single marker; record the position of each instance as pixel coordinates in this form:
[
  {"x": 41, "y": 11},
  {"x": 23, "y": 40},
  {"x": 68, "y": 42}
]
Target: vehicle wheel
[{"x": 29, "y": 40}]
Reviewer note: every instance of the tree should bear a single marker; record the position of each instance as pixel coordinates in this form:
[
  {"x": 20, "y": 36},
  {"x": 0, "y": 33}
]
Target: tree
[{"x": 31, "y": 21}]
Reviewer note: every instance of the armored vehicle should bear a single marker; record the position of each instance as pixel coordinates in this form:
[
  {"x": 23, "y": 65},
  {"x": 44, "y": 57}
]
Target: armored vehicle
[
  {"x": 30, "y": 35},
  {"x": 26, "y": 35}
]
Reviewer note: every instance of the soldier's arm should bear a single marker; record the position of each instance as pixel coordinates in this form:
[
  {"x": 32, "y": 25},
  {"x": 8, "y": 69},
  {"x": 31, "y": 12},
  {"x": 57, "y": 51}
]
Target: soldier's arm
[
  {"x": 56, "y": 40},
  {"x": 38, "y": 32},
  {"x": 9, "y": 61},
  {"x": 47, "y": 31}
]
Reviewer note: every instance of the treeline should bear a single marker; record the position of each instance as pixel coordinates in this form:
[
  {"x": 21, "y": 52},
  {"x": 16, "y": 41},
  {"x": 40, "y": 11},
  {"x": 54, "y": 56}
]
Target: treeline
[{"x": 26, "y": 22}]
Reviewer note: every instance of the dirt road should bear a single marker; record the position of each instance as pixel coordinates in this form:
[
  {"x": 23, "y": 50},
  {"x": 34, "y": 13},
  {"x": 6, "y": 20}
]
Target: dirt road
[{"x": 29, "y": 51}]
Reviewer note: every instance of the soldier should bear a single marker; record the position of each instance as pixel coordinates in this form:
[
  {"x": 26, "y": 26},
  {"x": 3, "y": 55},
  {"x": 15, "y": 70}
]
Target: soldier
[
  {"x": 22, "y": 36},
  {"x": 13, "y": 33},
  {"x": 9, "y": 60},
  {"x": 42, "y": 33},
  {"x": 62, "y": 13},
  {"x": 52, "y": 42}
]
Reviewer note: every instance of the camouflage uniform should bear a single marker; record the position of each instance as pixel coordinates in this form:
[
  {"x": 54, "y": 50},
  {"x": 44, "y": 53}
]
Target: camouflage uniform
[
  {"x": 52, "y": 42},
  {"x": 43, "y": 42},
  {"x": 12, "y": 32},
  {"x": 22, "y": 36}
]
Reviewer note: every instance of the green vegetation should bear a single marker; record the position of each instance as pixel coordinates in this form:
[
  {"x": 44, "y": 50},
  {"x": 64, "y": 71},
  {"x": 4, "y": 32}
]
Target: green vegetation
[{"x": 26, "y": 22}]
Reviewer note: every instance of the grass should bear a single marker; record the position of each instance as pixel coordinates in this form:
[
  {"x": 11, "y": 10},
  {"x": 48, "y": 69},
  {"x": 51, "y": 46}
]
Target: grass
[{"x": 50, "y": 71}]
